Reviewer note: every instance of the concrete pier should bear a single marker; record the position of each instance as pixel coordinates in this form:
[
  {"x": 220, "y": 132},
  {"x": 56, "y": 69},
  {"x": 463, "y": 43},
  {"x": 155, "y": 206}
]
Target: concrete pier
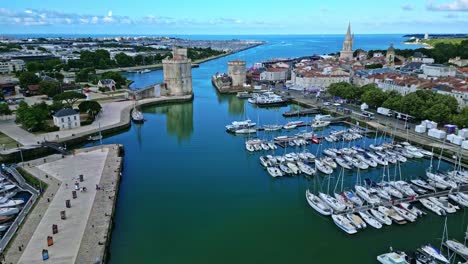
[{"x": 83, "y": 236}]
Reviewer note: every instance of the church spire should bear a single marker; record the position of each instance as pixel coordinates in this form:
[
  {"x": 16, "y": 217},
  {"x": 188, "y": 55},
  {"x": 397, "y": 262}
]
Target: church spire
[{"x": 347, "y": 51}]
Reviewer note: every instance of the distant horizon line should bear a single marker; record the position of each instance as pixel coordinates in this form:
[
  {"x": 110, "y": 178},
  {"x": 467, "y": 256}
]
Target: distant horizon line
[{"x": 208, "y": 34}]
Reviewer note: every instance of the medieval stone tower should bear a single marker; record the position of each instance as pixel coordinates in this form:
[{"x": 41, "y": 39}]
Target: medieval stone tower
[
  {"x": 178, "y": 72},
  {"x": 347, "y": 51},
  {"x": 390, "y": 58},
  {"x": 237, "y": 72}
]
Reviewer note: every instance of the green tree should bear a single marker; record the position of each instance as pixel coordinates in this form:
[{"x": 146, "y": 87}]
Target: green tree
[
  {"x": 34, "y": 66},
  {"x": 32, "y": 116},
  {"x": 70, "y": 98},
  {"x": 50, "y": 88},
  {"x": 374, "y": 97},
  {"x": 461, "y": 120},
  {"x": 123, "y": 60},
  {"x": 5, "y": 109},
  {"x": 92, "y": 108},
  {"x": 393, "y": 102},
  {"x": 28, "y": 78},
  {"x": 117, "y": 77},
  {"x": 438, "y": 113}
]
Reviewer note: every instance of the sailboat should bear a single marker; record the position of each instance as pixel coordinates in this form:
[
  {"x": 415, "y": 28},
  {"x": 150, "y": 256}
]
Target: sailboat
[
  {"x": 137, "y": 116},
  {"x": 318, "y": 205}
]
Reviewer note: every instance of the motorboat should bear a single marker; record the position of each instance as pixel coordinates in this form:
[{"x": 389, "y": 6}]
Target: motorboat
[
  {"x": 249, "y": 147},
  {"x": 332, "y": 202},
  {"x": 274, "y": 172},
  {"x": 318, "y": 205},
  {"x": 306, "y": 169},
  {"x": 285, "y": 169},
  {"x": 243, "y": 95},
  {"x": 444, "y": 204},
  {"x": 383, "y": 194},
  {"x": 426, "y": 153},
  {"x": 457, "y": 247},
  {"x": 265, "y": 161},
  {"x": 245, "y": 131},
  {"x": 458, "y": 199},
  {"x": 437, "y": 185},
  {"x": 414, "y": 152},
  {"x": 441, "y": 179},
  {"x": 423, "y": 184},
  {"x": 235, "y": 125},
  {"x": 356, "y": 221},
  {"x": 329, "y": 153},
  {"x": 405, "y": 214},
  {"x": 376, "y": 148},
  {"x": 403, "y": 187},
  {"x": 272, "y": 145},
  {"x": 12, "y": 203},
  {"x": 344, "y": 223},
  {"x": 391, "y": 190},
  {"x": 8, "y": 211},
  {"x": 322, "y": 167},
  {"x": 320, "y": 123},
  {"x": 329, "y": 162},
  {"x": 343, "y": 200},
  {"x": 432, "y": 207},
  {"x": 265, "y": 146},
  {"x": 369, "y": 162},
  {"x": 353, "y": 198},
  {"x": 365, "y": 194},
  {"x": 137, "y": 116},
  {"x": 393, "y": 258},
  {"x": 343, "y": 163},
  {"x": 377, "y": 159},
  {"x": 4, "y": 227},
  {"x": 370, "y": 220},
  {"x": 412, "y": 209},
  {"x": 392, "y": 215},
  {"x": 431, "y": 251},
  {"x": 293, "y": 167},
  {"x": 323, "y": 118},
  {"x": 381, "y": 217}
]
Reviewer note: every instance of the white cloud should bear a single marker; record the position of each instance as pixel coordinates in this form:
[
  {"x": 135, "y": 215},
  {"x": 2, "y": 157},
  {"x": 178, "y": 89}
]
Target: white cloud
[
  {"x": 454, "y": 5},
  {"x": 407, "y": 7},
  {"x": 109, "y": 14}
]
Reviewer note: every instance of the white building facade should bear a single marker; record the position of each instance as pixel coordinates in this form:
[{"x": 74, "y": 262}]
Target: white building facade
[{"x": 67, "y": 119}]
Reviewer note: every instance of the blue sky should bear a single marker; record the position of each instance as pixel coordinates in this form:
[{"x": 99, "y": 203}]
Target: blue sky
[{"x": 226, "y": 17}]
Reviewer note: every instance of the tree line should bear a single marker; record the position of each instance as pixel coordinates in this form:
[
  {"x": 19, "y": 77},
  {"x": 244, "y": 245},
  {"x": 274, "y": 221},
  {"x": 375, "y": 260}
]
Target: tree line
[{"x": 422, "y": 104}]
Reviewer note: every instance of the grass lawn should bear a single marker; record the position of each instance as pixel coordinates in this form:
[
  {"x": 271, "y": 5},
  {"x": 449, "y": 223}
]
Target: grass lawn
[
  {"x": 7, "y": 141},
  {"x": 434, "y": 42}
]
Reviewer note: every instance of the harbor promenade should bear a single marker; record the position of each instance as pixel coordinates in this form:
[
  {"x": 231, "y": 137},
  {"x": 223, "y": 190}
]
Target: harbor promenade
[
  {"x": 114, "y": 116},
  {"x": 83, "y": 235}
]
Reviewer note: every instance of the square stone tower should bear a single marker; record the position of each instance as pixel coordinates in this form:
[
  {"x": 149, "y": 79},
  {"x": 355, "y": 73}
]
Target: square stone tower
[
  {"x": 178, "y": 72},
  {"x": 237, "y": 72}
]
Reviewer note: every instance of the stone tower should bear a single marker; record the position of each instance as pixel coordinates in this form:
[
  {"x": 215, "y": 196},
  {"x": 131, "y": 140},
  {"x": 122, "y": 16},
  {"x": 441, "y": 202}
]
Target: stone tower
[
  {"x": 178, "y": 72},
  {"x": 390, "y": 58},
  {"x": 237, "y": 72},
  {"x": 347, "y": 51}
]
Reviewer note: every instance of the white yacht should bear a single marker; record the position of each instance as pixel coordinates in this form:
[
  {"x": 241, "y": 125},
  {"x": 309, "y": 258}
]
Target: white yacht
[
  {"x": 329, "y": 162},
  {"x": 432, "y": 207},
  {"x": 322, "y": 167},
  {"x": 423, "y": 184},
  {"x": 381, "y": 217},
  {"x": 319, "y": 124},
  {"x": 458, "y": 199},
  {"x": 318, "y": 205},
  {"x": 369, "y": 162},
  {"x": 444, "y": 204},
  {"x": 458, "y": 247},
  {"x": 414, "y": 152},
  {"x": 370, "y": 220},
  {"x": 293, "y": 167},
  {"x": 8, "y": 211},
  {"x": 285, "y": 169},
  {"x": 405, "y": 214},
  {"x": 393, "y": 258},
  {"x": 353, "y": 198},
  {"x": 392, "y": 215},
  {"x": 332, "y": 202},
  {"x": 366, "y": 195},
  {"x": 343, "y": 223},
  {"x": 12, "y": 203},
  {"x": 274, "y": 172},
  {"x": 343, "y": 163},
  {"x": 434, "y": 253},
  {"x": 412, "y": 209},
  {"x": 329, "y": 153},
  {"x": 440, "y": 179},
  {"x": 306, "y": 169}
]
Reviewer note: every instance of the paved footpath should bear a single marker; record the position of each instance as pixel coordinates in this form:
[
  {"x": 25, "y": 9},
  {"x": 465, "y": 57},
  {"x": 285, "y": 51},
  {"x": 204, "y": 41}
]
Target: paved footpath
[{"x": 82, "y": 237}]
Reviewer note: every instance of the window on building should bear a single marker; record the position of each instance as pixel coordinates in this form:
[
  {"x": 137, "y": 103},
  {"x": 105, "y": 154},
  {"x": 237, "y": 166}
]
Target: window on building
[
  {"x": 62, "y": 119},
  {"x": 75, "y": 117},
  {"x": 69, "y": 119},
  {"x": 76, "y": 124}
]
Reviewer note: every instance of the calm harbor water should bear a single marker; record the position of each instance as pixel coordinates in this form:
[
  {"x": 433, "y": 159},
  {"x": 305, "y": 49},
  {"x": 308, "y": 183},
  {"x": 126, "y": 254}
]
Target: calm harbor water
[{"x": 190, "y": 193}]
